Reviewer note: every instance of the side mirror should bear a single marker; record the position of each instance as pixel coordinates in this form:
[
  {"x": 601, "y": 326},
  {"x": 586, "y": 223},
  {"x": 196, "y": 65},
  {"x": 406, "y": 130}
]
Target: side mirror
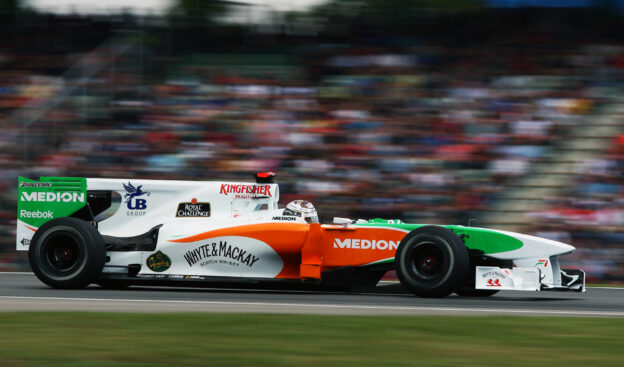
[{"x": 343, "y": 221}]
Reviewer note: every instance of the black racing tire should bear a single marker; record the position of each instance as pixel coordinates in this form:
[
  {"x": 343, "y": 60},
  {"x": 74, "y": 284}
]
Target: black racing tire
[
  {"x": 471, "y": 292},
  {"x": 67, "y": 253},
  {"x": 432, "y": 261}
]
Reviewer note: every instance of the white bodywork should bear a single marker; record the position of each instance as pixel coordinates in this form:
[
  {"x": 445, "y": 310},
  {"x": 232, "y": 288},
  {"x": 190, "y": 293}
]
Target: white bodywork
[
  {"x": 536, "y": 267},
  {"x": 227, "y": 206},
  {"x": 536, "y": 264},
  {"x": 231, "y": 204},
  {"x": 494, "y": 278}
]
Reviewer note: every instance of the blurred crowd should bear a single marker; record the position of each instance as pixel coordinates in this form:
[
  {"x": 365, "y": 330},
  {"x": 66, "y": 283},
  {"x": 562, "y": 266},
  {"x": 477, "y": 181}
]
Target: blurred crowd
[
  {"x": 590, "y": 213},
  {"x": 425, "y": 131}
]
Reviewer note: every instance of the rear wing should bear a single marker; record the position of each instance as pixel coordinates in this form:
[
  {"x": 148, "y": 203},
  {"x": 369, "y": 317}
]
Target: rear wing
[{"x": 46, "y": 199}]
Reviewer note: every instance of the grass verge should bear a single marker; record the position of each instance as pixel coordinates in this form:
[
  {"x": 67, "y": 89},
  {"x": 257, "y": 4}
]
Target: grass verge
[{"x": 116, "y": 339}]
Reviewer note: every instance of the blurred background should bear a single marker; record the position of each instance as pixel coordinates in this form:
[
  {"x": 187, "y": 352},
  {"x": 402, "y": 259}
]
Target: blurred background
[{"x": 500, "y": 113}]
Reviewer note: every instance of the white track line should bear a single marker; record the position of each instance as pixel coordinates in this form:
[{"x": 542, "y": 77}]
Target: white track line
[{"x": 334, "y": 307}]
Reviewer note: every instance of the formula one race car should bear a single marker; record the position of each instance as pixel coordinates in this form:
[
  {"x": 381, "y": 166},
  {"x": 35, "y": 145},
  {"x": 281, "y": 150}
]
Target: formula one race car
[{"x": 115, "y": 233}]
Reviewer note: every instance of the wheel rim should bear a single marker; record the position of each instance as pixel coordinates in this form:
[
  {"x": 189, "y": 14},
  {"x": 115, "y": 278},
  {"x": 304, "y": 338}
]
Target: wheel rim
[
  {"x": 427, "y": 261},
  {"x": 61, "y": 253}
]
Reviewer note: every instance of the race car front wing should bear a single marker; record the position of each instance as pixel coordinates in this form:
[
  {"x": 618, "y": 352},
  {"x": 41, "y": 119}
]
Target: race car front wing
[{"x": 528, "y": 279}]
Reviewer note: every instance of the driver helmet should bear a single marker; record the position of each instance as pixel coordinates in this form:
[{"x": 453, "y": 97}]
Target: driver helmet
[{"x": 303, "y": 209}]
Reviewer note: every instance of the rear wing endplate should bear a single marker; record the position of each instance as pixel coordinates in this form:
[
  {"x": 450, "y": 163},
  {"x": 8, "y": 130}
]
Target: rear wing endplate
[{"x": 41, "y": 201}]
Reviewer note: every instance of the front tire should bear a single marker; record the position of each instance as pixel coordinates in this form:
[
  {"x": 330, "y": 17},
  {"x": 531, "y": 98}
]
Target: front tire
[
  {"x": 67, "y": 253},
  {"x": 432, "y": 261}
]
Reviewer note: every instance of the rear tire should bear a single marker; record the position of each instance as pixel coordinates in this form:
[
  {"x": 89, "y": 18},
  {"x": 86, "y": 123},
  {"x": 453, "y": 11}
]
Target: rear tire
[
  {"x": 67, "y": 253},
  {"x": 432, "y": 261}
]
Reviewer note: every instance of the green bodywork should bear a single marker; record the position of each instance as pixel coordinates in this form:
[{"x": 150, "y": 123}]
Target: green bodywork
[
  {"x": 49, "y": 198},
  {"x": 487, "y": 240}
]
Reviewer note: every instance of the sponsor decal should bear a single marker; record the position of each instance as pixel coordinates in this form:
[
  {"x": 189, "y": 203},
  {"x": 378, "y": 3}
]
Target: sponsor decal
[
  {"x": 158, "y": 262},
  {"x": 193, "y": 209},
  {"x": 59, "y": 197},
  {"x": 49, "y": 214},
  {"x": 285, "y": 219},
  {"x": 220, "y": 253},
  {"x": 194, "y": 277},
  {"x": 246, "y": 191},
  {"x": 38, "y": 202},
  {"x": 495, "y": 274},
  {"x": 362, "y": 244},
  {"x": 35, "y": 184},
  {"x": 171, "y": 276},
  {"x": 25, "y": 242},
  {"x": 542, "y": 262},
  {"x": 493, "y": 283},
  {"x": 135, "y": 204}
]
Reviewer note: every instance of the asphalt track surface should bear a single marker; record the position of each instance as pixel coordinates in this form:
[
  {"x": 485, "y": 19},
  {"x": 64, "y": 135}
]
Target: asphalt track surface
[{"x": 24, "y": 292}]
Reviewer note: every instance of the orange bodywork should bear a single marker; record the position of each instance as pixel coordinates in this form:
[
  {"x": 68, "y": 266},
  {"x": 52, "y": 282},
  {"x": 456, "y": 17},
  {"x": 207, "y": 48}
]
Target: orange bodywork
[{"x": 309, "y": 249}]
